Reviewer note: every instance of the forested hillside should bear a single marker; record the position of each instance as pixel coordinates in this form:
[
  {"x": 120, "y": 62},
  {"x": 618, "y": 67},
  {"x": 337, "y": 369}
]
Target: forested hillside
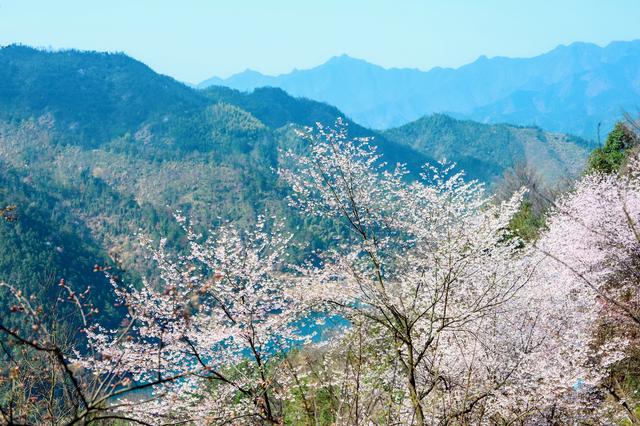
[
  {"x": 114, "y": 149},
  {"x": 486, "y": 150}
]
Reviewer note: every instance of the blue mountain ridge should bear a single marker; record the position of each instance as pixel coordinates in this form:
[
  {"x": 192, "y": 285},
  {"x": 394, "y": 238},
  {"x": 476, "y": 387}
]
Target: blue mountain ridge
[{"x": 571, "y": 88}]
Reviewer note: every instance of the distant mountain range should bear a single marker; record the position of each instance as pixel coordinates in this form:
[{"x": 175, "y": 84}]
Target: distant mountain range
[{"x": 569, "y": 89}]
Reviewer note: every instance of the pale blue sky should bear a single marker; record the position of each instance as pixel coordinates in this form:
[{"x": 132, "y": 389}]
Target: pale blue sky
[{"x": 194, "y": 39}]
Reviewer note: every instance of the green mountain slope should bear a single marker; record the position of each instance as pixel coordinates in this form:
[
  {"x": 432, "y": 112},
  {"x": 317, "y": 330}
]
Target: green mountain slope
[
  {"x": 120, "y": 148},
  {"x": 486, "y": 150},
  {"x": 91, "y": 96},
  {"x": 45, "y": 243}
]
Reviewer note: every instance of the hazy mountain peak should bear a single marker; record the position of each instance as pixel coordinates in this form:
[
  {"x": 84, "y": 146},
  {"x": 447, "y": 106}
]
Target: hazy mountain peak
[
  {"x": 345, "y": 59},
  {"x": 576, "y": 48},
  {"x": 249, "y": 73}
]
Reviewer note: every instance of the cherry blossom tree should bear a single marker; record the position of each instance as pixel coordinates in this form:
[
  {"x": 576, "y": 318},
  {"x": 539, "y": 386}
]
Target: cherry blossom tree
[
  {"x": 205, "y": 345},
  {"x": 221, "y": 320},
  {"x": 444, "y": 286},
  {"x": 593, "y": 243}
]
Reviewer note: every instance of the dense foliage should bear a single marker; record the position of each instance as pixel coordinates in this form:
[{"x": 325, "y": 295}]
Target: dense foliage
[{"x": 610, "y": 157}]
